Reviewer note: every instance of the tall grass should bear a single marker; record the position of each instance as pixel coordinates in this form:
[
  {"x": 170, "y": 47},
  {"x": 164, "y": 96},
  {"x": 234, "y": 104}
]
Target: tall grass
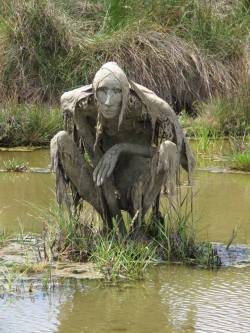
[
  {"x": 228, "y": 115},
  {"x": 26, "y": 124},
  {"x": 239, "y": 158},
  {"x": 176, "y": 238},
  {"x": 54, "y": 45},
  {"x": 81, "y": 239},
  {"x": 119, "y": 258}
]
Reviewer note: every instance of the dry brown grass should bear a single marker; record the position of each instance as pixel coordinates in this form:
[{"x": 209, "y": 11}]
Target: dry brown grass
[
  {"x": 174, "y": 69},
  {"x": 46, "y": 52}
]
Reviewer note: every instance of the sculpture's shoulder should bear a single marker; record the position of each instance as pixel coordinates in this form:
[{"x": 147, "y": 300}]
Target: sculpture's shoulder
[
  {"x": 151, "y": 100},
  {"x": 134, "y": 104},
  {"x": 70, "y": 98}
]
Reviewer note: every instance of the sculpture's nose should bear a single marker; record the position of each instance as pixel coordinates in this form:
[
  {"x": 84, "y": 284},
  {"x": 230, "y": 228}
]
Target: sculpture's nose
[{"x": 108, "y": 99}]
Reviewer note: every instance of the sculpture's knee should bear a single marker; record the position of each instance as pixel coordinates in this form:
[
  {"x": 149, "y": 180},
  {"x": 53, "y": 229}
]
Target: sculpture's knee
[
  {"x": 57, "y": 144},
  {"x": 167, "y": 156},
  {"x": 167, "y": 164}
]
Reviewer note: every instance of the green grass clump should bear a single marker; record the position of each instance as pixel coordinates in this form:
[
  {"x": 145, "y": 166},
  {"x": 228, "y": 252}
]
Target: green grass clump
[
  {"x": 177, "y": 236},
  {"x": 15, "y": 165},
  {"x": 241, "y": 161},
  {"x": 118, "y": 258},
  {"x": 172, "y": 240},
  {"x": 223, "y": 116},
  {"x": 67, "y": 236},
  {"x": 26, "y": 124},
  {"x": 71, "y": 238}
]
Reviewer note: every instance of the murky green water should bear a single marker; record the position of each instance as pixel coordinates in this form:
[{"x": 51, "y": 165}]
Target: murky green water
[
  {"x": 222, "y": 201},
  {"x": 171, "y": 299},
  {"x": 22, "y": 195}
]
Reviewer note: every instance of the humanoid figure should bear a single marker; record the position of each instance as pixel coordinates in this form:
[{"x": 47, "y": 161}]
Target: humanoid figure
[{"x": 121, "y": 145}]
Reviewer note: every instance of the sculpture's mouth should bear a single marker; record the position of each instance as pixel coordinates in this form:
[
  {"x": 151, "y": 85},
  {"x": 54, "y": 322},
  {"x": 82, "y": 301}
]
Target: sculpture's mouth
[{"x": 109, "y": 112}]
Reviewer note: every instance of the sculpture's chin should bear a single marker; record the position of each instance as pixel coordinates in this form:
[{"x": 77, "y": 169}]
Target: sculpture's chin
[{"x": 109, "y": 114}]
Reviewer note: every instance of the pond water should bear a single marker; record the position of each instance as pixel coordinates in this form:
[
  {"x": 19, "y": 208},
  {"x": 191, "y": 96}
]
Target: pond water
[
  {"x": 221, "y": 201},
  {"x": 171, "y": 299}
]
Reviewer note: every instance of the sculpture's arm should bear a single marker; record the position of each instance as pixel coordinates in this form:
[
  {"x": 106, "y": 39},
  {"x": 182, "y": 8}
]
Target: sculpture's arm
[
  {"x": 82, "y": 114},
  {"x": 169, "y": 128},
  {"x": 107, "y": 164}
]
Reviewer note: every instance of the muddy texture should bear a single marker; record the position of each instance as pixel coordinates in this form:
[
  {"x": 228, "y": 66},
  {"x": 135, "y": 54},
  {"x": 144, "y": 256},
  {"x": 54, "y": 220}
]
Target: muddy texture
[{"x": 118, "y": 160}]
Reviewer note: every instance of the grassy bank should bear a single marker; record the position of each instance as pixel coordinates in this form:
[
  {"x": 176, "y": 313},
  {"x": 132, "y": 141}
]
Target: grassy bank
[
  {"x": 189, "y": 52},
  {"x": 174, "y": 47},
  {"x": 239, "y": 158},
  {"x": 82, "y": 239},
  {"x": 28, "y": 124}
]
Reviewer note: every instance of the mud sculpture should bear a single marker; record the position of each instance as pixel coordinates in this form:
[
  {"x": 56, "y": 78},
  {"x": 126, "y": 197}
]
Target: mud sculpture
[{"x": 121, "y": 145}]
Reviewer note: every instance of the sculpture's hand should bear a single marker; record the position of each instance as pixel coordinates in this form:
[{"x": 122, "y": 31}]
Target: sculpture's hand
[{"x": 106, "y": 165}]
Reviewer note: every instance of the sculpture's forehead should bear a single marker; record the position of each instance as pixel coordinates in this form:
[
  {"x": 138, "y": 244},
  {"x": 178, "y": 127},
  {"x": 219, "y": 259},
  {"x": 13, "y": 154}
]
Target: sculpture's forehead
[
  {"x": 111, "y": 75},
  {"x": 109, "y": 81}
]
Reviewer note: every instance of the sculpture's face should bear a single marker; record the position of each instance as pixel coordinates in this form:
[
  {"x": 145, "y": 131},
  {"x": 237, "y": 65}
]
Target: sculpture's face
[{"x": 109, "y": 97}]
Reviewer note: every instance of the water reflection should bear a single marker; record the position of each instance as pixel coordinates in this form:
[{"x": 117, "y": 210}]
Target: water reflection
[
  {"x": 31, "y": 314},
  {"x": 172, "y": 299}
]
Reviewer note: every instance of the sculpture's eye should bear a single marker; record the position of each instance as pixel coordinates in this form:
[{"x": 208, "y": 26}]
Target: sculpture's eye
[
  {"x": 117, "y": 90},
  {"x": 102, "y": 89}
]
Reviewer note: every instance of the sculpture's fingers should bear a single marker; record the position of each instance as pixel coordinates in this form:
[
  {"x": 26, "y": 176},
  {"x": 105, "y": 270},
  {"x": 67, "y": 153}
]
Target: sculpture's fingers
[
  {"x": 96, "y": 171},
  {"x": 102, "y": 174},
  {"x": 105, "y": 169},
  {"x": 112, "y": 166},
  {"x": 95, "y": 174}
]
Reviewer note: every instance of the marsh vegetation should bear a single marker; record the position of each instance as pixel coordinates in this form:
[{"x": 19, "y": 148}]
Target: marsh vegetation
[{"x": 194, "y": 54}]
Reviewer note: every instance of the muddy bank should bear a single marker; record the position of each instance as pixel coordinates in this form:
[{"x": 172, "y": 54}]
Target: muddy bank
[
  {"x": 23, "y": 268},
  {"x": 22, "y": 263}
]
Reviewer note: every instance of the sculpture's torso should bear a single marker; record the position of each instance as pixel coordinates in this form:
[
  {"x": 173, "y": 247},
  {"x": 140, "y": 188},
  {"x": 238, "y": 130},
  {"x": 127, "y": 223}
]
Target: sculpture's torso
[{"x": 136, "y": 128}]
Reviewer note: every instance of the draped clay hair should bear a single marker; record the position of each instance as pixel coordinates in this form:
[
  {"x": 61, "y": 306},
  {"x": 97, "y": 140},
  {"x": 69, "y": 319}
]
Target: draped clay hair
[{"x": 112, "y": 69}]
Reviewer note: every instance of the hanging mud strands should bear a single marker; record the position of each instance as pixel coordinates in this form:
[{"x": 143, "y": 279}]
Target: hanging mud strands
[{"x": 126, "y": 145}]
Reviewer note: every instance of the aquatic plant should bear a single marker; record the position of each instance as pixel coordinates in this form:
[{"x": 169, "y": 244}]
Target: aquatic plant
[
  {"x": 176, "y": 236},
  {"x": 3, "y": 237},
  {"x": 239, "y": 157},
  {"x": 122, "y": 258},
  {"x": 172, "y": 239},
  {"x": 66, "y": 235},
  {"x": 15, "y": 165},
  {"x": 241, "y": 160},
  {"x": 10, "y": 280}
]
